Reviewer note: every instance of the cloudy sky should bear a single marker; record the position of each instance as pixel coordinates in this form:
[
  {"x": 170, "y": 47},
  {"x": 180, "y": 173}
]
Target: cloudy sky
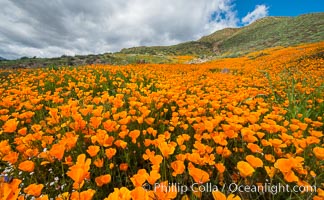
[{"x": 68, "y": 27}]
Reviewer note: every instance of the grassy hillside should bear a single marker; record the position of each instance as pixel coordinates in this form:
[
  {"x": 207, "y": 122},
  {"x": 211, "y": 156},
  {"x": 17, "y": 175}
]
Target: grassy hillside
[
  {"x": 264, "y": 33},
  {"x": 276, "y": 31}
]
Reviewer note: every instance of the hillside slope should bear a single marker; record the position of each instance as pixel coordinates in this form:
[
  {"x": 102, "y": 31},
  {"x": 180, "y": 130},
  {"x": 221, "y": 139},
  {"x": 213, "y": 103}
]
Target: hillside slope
[{"x": 263, "y": 33}]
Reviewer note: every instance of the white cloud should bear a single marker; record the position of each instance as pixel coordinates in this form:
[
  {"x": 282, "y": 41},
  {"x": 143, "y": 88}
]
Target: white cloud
[
  {"x": 259, "y": 12},
  {"x": 56, "y": 27},
  {"x": 53, "y": 28}
]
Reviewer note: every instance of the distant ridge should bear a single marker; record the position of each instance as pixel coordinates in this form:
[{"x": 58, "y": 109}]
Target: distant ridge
[
  {"x": 263, "y": 33},
  {"x": 1, "y": 58}
]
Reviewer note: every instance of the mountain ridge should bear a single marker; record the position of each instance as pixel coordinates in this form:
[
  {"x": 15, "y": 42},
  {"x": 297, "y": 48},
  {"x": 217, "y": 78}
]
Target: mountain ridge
[
  {"x": 1, "y": 58},
  {"x": 263, "y": 33}
]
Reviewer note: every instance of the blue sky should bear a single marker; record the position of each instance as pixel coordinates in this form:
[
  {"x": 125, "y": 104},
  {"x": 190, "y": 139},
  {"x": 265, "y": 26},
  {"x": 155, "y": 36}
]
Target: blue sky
[
  {"x": 280, "y": 7},
  {"x": 79, "y": 27}
]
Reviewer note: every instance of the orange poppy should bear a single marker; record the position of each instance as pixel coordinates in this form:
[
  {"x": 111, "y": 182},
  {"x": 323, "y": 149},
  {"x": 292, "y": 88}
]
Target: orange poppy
[
  {"x": 93, "y": 150},
  {"x": 11, "y": 157},
  {"x": 270, "y": 158},
  {"x": 10, "y": 190},
  {"x": 139, "y": 178},
  {"x": 254, "y": 161},
  {"x": 79, "y": 171},
  {"x": 254, "y": 148},
  {"x": 149, "y": 120},
  {"x": 27, "y": 166},
  {"x": 164, "y": 191},
  {"x": 10, "y": 126},
  {"x": 284, "y": 165},
  {"x": 22, "y": 131},
  {"x": 199, "y": 176},
  {"x": 102, "y": 180},
  {"x": 109, "y": 125},
  {"x": 57, "y": 151},
  {"x": 166, "y": 149},
  {"x": 84, "y": 195},
  {"x": 119, "y": 194},
  {"x": 139, "y": 193},
  {"x": 291, "y": 177},
  {"x": 220, "y": 167},
  {"x": 217, "y": 195},
  {"x": 245, "y": 169},
  {"x": 134, "y": 135},
  {"x": 153, "y": 177},
  {"x": 34, "y": 189},
  {"x": 99, "y": 162},
  {"x": 110, "y": 152},
  {"x": 121, "y": 143},
  {"x": 178, "y": 167},
  {"x": 123, "y": 167},
  {"x": 319, "y": 153},
  {"x": 95, "y": 121}
]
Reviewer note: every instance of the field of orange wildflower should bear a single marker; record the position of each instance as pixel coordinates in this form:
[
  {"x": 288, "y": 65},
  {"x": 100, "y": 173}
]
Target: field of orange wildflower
[{"x": 234, "y": 128}]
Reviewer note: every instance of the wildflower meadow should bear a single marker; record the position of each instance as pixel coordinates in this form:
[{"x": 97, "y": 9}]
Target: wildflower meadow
[{"x": 234, "y": 128}]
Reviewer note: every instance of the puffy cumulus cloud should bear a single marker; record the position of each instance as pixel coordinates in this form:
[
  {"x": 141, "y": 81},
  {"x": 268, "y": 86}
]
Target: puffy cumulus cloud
[
  {"x": 259, "y": 12},
  {"x": 56, "y": 27}
]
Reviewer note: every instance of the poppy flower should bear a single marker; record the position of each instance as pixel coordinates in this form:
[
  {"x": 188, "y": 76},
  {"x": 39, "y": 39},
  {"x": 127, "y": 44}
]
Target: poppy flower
[
  {"x": 110, "y": 152},
  {"x": 153, "y": 177},
  {"x": 149, "y": 120},
  {"x": 84, "y": 195},
  {"x": 22, "y": 131},
  {"x": 34, "y": 189},
  {"x": 102, "y": 180},
  {"x": 166, "y": 149},
  {"x": 134, "y": 135},
  {"x": 139, "y": 178},
  {"x": 93, "y": 150},
  {"x": 123, "y": 167},
  {"x": 319, "y": 153},
  {"x": 270, "y": 158},
  {"x": 254, "y": 161},
  {"x": 11, "y": 157},
  {"x": 199, "y": 176},
  {"x": 10, "y": 190},
  {"x": 119, "y": 194},
  {"x": 164, "y": 190},
  {"x": 217, "y": 195},
  {"x": 139, "y": 193},
  {"x": 245, "y": 169},
  {"x": 98, "y": 162},
  {"x": 284, "y": 165},
  {"x": 27, "y": 166},
  {"x": 95, "y": 121},
  {"x": 109, "y": 125},
  {"x": 57, "y": 151},
  {"x": 10, "y": 126},
  {"x": 209, "y": 126},
  {"x": 178, "y": 167},
  {"x": 254, "y": 148},
  {"x": 290, "y": 177},
  {"x": 79, "y": 171},
  {"x": 220, "y": 167}
]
